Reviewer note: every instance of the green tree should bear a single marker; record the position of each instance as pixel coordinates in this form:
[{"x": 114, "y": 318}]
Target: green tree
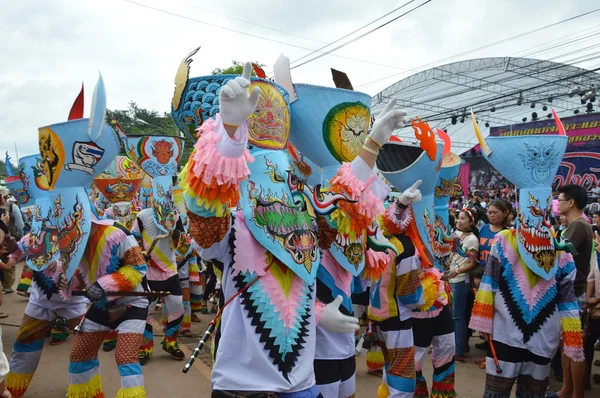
[
  {"x": 2, "y": 169},
  {"x": 237, "y": 68}
]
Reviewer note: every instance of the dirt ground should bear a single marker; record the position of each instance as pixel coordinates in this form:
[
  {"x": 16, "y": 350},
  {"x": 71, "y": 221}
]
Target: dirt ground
[{"x": 164, "y": 377}]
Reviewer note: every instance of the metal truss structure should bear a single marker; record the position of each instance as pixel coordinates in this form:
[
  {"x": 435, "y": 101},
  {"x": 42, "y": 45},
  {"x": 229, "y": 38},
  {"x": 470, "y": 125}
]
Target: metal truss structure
[{"x": 501, "y": 91}]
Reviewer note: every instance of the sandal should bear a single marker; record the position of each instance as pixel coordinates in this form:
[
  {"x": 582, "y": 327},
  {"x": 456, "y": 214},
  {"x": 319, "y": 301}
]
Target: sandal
[
  {"x": 480, "y": 360},
  {"x": 482, "y": 366},
  {"x": 597, "y": 362},
  {"x": 3, "y": 315}
]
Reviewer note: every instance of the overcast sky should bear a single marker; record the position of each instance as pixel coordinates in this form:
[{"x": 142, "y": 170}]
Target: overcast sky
[{"x": 48, "y": 47}]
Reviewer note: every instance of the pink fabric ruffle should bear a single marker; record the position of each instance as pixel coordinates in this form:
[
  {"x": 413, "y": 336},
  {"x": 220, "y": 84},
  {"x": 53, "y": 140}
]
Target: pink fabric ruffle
[
  {"x": 377, "y": 263},
  {"x": 209, "y": 163},
  {"x": 391, "y": 213},
  {"x": 531, "y": 295},
  {"x": 369, "y": 204},
  {"x": 481, "y": 324},
  {"x": 250, "y": 255},
  {"x": 574, "y": 353},
  {"x": 564, "y": 258}
]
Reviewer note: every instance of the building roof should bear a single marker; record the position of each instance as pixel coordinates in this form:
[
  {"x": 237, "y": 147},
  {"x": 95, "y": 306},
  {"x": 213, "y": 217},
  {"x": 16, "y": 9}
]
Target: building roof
[{"x": 493, "y": 88}]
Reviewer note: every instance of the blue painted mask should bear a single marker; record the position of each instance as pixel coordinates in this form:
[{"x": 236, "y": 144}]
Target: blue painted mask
[
  {"x": 14, "y": 183},
  {"x": 402, "y": 165},
  {"x": 70, "y": 161},
  {"x": 158, "y": 156},
  {"x": 447, "y": 186},
  {"x": 331, "y": 124},
  {"x": 531, "y": 162}
]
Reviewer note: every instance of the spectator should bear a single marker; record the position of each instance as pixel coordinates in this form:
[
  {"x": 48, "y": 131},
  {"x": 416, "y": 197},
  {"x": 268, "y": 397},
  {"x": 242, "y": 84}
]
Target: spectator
[
  {"x": 595, "y": 192},
  {"x": 571, "y": 201},
  {"x": 463, "y": 261},
  {"x": 596, "y": 222}
]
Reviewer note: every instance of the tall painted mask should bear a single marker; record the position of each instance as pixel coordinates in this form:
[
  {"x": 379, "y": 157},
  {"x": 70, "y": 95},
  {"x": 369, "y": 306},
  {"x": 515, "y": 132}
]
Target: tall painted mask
[
  {"x": 158, "y": 156},
  {"x": 119, "y": 184},
  {"x": 447, "y": 186},
  {"x": 14, "y": 183},
  {"x": 278, "y": 207},
  {"x": 72, "y": 154},
  {"x": 331, "y": 124},
  {"x": 530, "y": 162},
  {"x": 44, "y": 235},
  {"x": 144, "y": 198},
  {"x": 402, "y": 165}
]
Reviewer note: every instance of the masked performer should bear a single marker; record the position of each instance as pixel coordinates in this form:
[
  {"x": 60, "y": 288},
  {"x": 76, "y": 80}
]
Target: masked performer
[
  {"x": 525, "y": 302},
  {"x": 432, "y": 322},
  {"x": 119, "y": 184},
  {"x": 45, "y": 304},
  {"x": 160, "y": 227},
  {"x": 335, "y": 132},
  {"x": 268, "y": 250}
]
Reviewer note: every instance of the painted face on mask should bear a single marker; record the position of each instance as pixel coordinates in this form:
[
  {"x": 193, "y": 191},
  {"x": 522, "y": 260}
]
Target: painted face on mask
[{"x": 531, "y": 162}]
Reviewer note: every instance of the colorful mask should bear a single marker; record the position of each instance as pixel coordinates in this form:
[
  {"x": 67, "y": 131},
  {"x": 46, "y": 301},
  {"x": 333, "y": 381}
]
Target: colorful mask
[
  {"x": 158, "y": 156},
  {"x": 531, "y": 162},
  {"x": 268, "y": 126},
  {"x": 14, "y": 182},
  {"x": 447, "y": 186},
  {"x": 331, "y": 124},
  {"x": 338, "y": 117},
  {"x": 119, "y": 184},
  {"x": 402, "y": 165},
  {"x": 145, "y": 193},
  {"x": 44, "y": 237},
  {"x": 73, "y": 153}
]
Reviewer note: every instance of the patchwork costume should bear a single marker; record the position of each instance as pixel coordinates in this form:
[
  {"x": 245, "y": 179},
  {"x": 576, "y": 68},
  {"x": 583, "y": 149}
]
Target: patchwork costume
[
  {"x": 69, "y": 241},
  {"x": 45, "y": 304},
  {"x": 268, "y": 250},
  {"x": 526, "y": 301},
  {"x": 119, "y": 184},
  {"x": 324, "y": 131},
  {"x": 432, "y": 325},
  {"x": 158, "y": 156},
  {"x": 17, "y": 183}
]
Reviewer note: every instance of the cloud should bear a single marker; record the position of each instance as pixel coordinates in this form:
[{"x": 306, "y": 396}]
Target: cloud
[{"x": 50, "y": 47}]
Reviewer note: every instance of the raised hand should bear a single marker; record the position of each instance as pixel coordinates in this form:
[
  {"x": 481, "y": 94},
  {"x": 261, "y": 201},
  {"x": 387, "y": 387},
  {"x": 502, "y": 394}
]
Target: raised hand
[
  {"x": 387, "y": 121},
  {"x": 235, "y": 101},
  {"x": 411, "y": 195}
]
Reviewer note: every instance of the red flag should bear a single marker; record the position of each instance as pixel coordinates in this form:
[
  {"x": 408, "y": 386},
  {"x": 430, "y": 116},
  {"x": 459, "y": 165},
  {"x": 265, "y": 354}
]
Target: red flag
[
  {"x": 77, "y": 108},
  {"x": 559, "y": 125}
]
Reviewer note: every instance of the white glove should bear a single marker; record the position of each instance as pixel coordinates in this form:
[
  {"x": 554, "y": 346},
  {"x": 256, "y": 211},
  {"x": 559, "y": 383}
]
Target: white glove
[
  {"x": 387, "y": 121},
  {"x": 334, "y": 321},
  {"x": 235, "y": 102},
  {"x": 411, "y": 195}
]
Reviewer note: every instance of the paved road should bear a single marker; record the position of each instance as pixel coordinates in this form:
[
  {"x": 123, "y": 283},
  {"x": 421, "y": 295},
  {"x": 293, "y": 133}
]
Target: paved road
[{"x": 163, "y": 376}]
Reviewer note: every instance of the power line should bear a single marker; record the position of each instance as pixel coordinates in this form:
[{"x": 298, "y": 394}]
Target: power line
[
  {"x": 361, "y": 36},
  {"x": 258, "y": 36},
  {"x": 485, "y": 46},
  {"x": 353, "y": 32},
  {"x": 253, "y": 24}
]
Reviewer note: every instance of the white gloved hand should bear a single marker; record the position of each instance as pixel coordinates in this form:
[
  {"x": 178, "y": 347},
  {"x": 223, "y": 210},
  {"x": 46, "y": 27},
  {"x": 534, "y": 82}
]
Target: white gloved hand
[
  {"x": 334, "y": 321},
  {"x": 387, "y": 121},
  {"x": 235, "y": 102},
  {"x": 411, "y": 195}
]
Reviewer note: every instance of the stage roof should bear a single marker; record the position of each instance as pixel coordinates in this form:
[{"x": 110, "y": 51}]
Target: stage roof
[{"x": 492, "y": 87}]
